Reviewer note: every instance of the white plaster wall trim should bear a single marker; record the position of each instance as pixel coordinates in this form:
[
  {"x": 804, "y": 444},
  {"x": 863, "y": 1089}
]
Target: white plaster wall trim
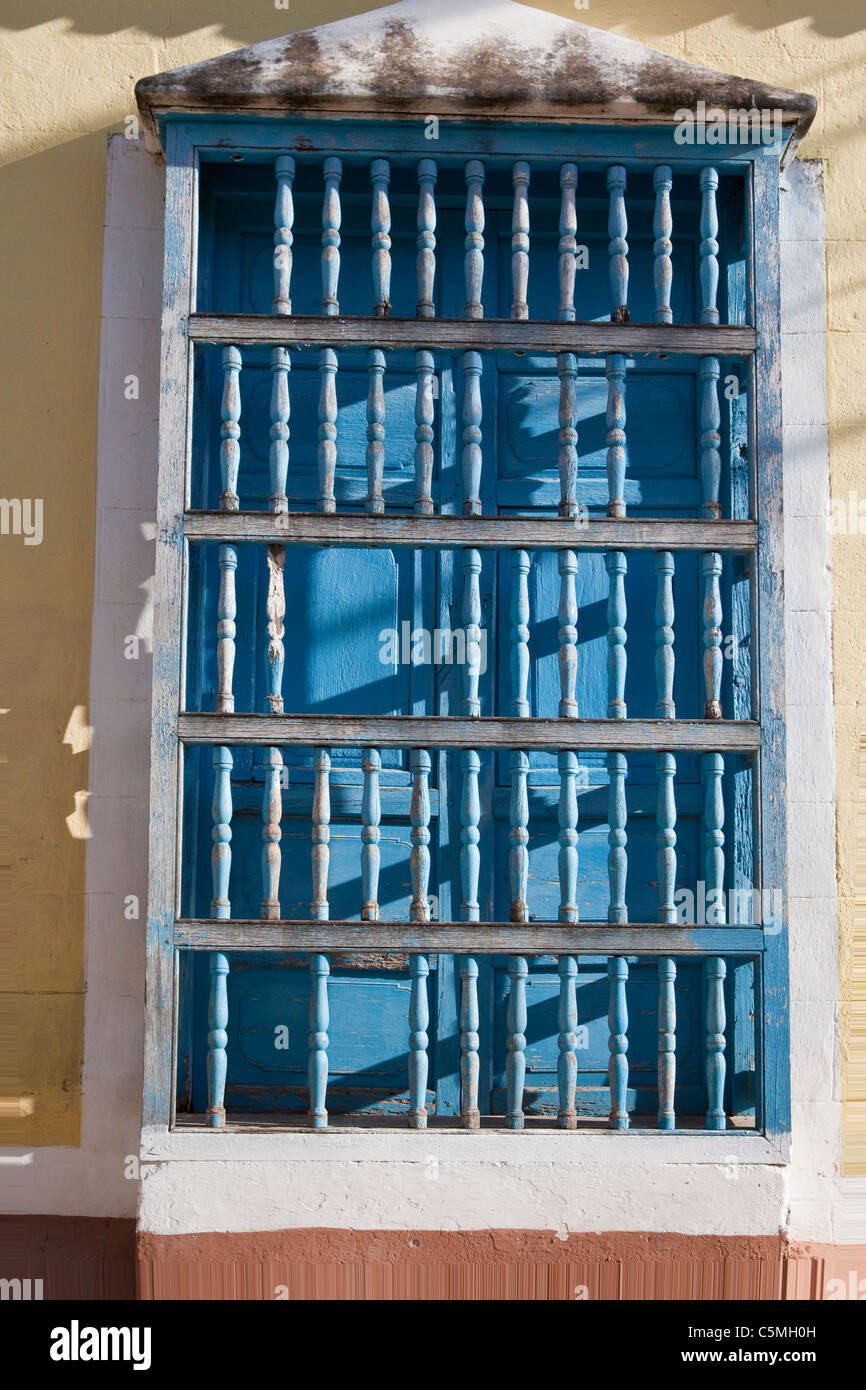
[
  {"x": 181, "y": 1198},
  {"x": 811, "y": 774}
]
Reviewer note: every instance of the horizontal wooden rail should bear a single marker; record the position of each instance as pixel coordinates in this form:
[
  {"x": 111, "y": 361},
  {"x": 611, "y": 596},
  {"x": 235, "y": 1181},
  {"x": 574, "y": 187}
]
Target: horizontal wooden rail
[
  {"x": 476, "y": 335},
  {"x": 481, "y": 533},
  {"x": 407, "y": 731},
  {"x": 476, "y": 938}
]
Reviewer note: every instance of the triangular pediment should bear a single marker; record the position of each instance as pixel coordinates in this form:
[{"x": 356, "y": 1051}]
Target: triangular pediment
[{"x": 460, "y": 56}]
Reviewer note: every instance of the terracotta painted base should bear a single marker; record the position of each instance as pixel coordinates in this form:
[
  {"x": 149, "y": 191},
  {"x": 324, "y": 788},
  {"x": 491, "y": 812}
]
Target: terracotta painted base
[
  {"x": 338, "y": 1264},
  {"x": 87, "y": 1258}
]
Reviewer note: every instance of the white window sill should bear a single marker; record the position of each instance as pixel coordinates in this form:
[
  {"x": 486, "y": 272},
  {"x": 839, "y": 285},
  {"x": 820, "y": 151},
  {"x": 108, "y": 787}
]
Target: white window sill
[{"x": 399, "y": 1145}]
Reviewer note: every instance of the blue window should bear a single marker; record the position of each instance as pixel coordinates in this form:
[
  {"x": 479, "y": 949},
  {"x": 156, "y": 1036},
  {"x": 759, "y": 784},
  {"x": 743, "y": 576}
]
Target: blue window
[{"x": 468, "y": 727}]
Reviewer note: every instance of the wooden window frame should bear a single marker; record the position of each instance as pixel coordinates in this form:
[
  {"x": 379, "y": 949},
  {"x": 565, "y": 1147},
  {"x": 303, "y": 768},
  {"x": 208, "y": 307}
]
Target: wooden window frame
[{"x": 261, "y": 138}]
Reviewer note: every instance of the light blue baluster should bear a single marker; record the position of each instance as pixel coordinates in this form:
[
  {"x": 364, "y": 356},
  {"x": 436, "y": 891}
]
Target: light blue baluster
[
  {"x": 271, "y": 759},
  {"x": 279, "y": 448},
  {"x": 375, "y": 432},
  {"x": 419, "y": 857},
  {"x": 470, "y": 1114},
  {"x": 520, "y": 241},
  {"x": 616, "y": 451},
  {"x": 617, "y": 1023},
  {"x": 667, "y": 1065},
  {"x": 566, "y": 1065},
  {"x": 709, "y": 182},
  {"x": 272, "y": 810},
  {"x": 568, "y": 853},
  {"x": 321, "y": 834},
  {"x": 426, "y": 262},
  {"x": 617, "y": 838},
  {"x": 380, "y": 222},
  {"x": 520, "y": 633},
  {"x": 470, "y": 835},
  {"x": 713, "y": 768},
  {"x": 471, "y": 434},
  {"x": 615, "y": 564},
  {"x": 472, "y": 628},
  {"x": 666, "y": 839},
  {"x": 419, "y": 1017},
  {"x": 519, "y": 813},
  {"x": 568, "y": 912},
  {"x": 662, "y": 231},
  {"x": 221, "y": 854},
  {"x": 226, "y": 629},
  {"x": 711, "y": 563},
  {"x": 711, "y": 568},
  {"x": 217, "y": 1039},
  {"x": 284, "y": 217},
  {"x": 617, "y": 227},
  {"x": 518, "y": 858},
  {"x": 371, "y": 814},
  {"x": 664, "y": 618},
  {"x": 666, "y": 836},
  {"x": 319, "y": 968},
  {"x": 474, "y": 259},
  {"x": 567, "y": 242},
  {"x": 280, "y": 406},
  {"x": 566, "y": 366},
  {"x": 516, "y": 1042},
  {"x": 711, "y": 459},
  {"x": 419, "y": 911},
  {"x": 319, "y": 1018},
  {"x": 230, "y": 431},
  {"x": 327, "y": 450},
  {"x": 567, "y": 562},
  {"x": 715, "y": 977},
  {"x": 331, "y": 217},
  {"x": 424, "y": 364},
  {"x": 517, "y": 967},
  {"x": 470, "y": 857}
]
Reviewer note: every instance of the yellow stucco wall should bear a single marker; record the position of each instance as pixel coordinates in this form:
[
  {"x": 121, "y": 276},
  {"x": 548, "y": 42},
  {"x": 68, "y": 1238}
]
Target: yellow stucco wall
[{"x": 67, "y": 82}]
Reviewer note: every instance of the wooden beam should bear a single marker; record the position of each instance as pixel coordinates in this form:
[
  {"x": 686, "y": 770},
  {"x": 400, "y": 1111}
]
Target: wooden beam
[
  {"x": 478, "y": 335},
  {"x": 407, "y": 731},
  {"x": 165, "y": 752},
  {"x": 477, "y": 938},
  {"x": 481, "y": 533}
]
